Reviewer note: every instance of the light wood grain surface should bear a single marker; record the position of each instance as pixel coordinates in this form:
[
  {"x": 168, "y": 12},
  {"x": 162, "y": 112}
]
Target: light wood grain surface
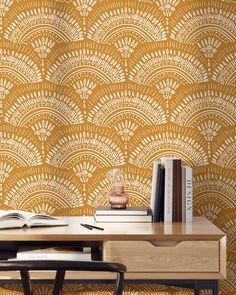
[
  {"x": 75, "y": 275},
  {"x": 190, "y": 256},
  {"x": 200, "y": 229},
  {"x": 150, "y": 250}
]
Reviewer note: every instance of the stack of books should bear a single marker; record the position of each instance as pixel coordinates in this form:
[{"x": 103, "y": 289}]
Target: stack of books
[
  {"x": 57, "y": 253},
  {"x": 129, "y": 214},
  {"x": 171, "y": 198}
]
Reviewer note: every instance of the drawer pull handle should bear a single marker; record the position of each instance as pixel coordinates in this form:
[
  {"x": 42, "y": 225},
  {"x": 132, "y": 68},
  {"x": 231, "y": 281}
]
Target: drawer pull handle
[{"x": 164, "y": 243}]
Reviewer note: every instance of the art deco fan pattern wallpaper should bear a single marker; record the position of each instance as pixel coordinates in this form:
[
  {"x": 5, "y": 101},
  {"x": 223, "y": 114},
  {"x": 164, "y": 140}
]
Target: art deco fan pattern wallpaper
[{"x": 88, "y": 85}]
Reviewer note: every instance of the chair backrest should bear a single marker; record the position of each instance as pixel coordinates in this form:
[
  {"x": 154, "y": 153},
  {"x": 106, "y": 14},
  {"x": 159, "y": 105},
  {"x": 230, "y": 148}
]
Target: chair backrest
[{"x": 61, "y": 267}]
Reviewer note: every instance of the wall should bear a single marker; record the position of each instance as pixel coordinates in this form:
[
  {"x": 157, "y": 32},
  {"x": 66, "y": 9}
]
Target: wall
[{"x": 86, "y": 85}]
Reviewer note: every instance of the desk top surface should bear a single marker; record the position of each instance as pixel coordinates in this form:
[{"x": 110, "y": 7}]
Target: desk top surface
[{"x": 199, "y": 229}]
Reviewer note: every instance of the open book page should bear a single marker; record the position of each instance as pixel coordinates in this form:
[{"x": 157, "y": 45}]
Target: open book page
[
  {"x": 11, "y": 219},
  {"x": 17, "y": 219},
  {"x": 44, "y": 220}
]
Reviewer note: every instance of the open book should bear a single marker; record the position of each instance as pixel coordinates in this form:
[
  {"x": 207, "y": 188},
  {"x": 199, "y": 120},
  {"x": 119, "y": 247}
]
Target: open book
[{"x": 18, "y": 219}]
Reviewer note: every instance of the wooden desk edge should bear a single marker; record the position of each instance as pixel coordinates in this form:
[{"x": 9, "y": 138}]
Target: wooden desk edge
[
  {"x": 203, "y": 230},
  {"x": 113, "y": 237},
  {"x": 73, "y": 276}
]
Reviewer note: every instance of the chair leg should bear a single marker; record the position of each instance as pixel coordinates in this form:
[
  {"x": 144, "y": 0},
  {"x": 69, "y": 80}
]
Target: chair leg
[
  {"x": 58, "y": 283},
  {"x": 25, "y": 278},
  {"x": 119, "y": 284}
]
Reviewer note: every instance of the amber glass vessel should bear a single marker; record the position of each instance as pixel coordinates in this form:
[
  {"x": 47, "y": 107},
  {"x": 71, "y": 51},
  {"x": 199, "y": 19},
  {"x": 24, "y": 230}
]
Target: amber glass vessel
[{"x": 117, "y": 198}]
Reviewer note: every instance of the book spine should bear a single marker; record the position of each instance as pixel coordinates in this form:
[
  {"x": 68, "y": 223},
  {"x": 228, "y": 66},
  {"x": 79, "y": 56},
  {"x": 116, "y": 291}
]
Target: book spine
[
  {"x": 160, "y": 198},
  {"x": 51, "y": 256},
  {"x": 162, "y": 193},
  {"x": 168, "y": 202},
  {"x": 189, "y": 195},
  {"x": 126, "y": 211},
  {"x": 177, "y": 191},
  {"x": 120, "y": 219},
  {"x": 184, "y": 193},
  {"x": 155, "y": 186}
]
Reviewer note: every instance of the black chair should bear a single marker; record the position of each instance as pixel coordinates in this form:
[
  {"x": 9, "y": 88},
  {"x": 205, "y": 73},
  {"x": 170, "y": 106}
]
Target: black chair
[{"x": 61, "y": 267}]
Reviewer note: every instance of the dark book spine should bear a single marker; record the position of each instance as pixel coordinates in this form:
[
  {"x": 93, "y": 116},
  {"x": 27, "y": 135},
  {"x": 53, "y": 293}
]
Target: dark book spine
[
  {"x": 177, "y": 190},
  {"x": 160, "y": 195},
  {"x": 155, "y": 213}
]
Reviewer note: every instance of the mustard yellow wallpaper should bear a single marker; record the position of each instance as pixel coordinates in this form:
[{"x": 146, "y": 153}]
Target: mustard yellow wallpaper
[{"x": 87, "y": 85}]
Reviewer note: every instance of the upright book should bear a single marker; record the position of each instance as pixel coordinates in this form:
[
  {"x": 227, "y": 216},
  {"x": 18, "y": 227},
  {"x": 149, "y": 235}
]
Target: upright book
[
  {"x": 154, "y": 193},
  {"x": 18, "y": 219},
  {"x": 177, "y": 191},
  {"x": 189, "y": 194},
  {"x": 160, "y": 195},
  {"x": 168, "y": 192},
  {"x": 183, "y": 193}
]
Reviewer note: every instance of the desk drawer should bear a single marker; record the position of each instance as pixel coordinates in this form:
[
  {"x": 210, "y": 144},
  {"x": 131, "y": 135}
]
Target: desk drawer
[{"x": 144, "y": 256}]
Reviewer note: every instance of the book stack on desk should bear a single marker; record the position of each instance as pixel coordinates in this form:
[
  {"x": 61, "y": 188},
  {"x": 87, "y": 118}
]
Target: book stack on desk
[
  {"x": 129, "y": 214},
  {"x": 171, "y": 197}
]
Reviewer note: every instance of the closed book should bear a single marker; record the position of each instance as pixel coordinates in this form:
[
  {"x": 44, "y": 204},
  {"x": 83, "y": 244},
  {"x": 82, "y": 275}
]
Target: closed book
[
  {"x": 54, "y": 254},
  {"x": 155, "y": 177},
  {"x": 160, "y": 195},
  {"x": 183, "y": 193},
  {"x": 123, "y": 218},
  {"x": 168, "y": 191},
  {"x": 177, "y": 191},
  {"x": 126, "y": 211},
  {"x": 189, "y": 194}
]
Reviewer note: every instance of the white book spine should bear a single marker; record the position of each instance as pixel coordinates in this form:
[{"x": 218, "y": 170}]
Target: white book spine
[
  {"x": 184, "y": 193},
  {"x": 53, "y": 256},
  {"x": 120, "y": 219},
  {"x": 154, "y": 185},
  {"x": 189, "y": 195},
  {"x": 168, "y": 197}
]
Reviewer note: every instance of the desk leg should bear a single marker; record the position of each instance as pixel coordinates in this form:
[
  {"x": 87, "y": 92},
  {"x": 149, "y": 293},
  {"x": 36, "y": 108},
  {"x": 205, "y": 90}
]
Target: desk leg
[
  {"x": 215, "y": 288},
  {"x": 197, "y": 288},
  {"x": 213, "y": 285}
]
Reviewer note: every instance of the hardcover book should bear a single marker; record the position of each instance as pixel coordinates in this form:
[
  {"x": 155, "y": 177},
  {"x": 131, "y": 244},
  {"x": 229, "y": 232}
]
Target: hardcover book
[
  {"x": 56, "y": 253},
  {"x": 18, "y": 219},
  {"x": 177, "y": 190},
  {"x": 127, "y": 211},
  {"x": 184, "y": 193},
  {"x": 123, "y": 218},
  {"x": 160, "y": 195},
  {"x": 168, "y": 192},
  {"x": 189, "y": 194},
  {"x": 155, "y": 189}
]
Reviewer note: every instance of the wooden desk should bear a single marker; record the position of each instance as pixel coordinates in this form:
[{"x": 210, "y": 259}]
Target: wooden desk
[{"x": 151, "y": 251}]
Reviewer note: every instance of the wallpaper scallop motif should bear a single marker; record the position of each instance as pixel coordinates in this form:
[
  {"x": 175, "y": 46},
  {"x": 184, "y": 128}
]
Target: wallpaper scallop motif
[{"x": 88, "y": 85}]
